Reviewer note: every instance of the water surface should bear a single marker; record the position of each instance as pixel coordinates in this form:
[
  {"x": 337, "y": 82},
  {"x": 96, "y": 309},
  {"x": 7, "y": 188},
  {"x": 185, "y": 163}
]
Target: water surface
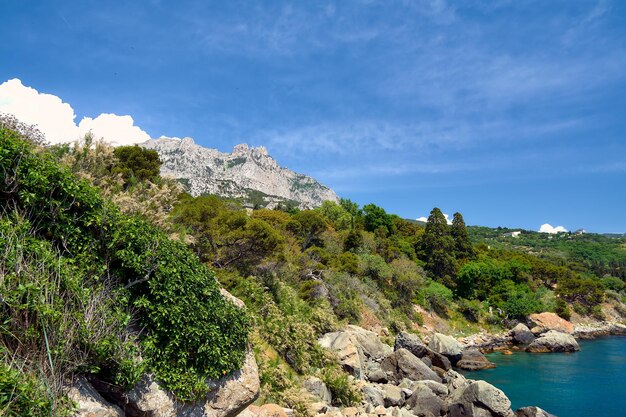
[{"x": 588, "y": 383}]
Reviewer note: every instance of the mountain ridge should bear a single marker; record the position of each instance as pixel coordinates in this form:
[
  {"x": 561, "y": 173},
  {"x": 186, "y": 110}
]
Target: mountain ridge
[{"x": 247, "y": 173}]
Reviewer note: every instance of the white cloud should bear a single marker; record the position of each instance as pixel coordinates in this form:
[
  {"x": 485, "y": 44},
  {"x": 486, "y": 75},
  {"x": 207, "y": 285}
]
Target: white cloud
[
  {"x": 547, "y": 228},
  {"x": 425, "y": 219},
  {"x": 119, "y": 130},
  {"x": 55, "y": 119}
]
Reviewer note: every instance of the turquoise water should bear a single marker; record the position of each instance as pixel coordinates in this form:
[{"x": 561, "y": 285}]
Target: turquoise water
[{"x": 588, "y": 383}]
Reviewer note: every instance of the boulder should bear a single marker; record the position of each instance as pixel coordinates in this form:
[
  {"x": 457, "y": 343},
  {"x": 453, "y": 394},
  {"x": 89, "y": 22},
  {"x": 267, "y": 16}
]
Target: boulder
[
  {"x": 522, "y": 335},
  {"x": 272, "y": 410},
  {"x": 413, "y": 344},
  {"x": 438, "y": 389},
  {"x": 373, "y": 395},
  {"x": 455, "y": 382},
  {"x": 353, "y": 346},
  {"x": 403, "y": 364},
  {"x": 228, "y": 396},
  {"x": 532, "y": 412},
  {"x": 543, "y": 322},
  {"x": 318, "y": 389},
  {"x": 89, "y": 402},
  {"x": 393, "y": 395},
  {"x": 480, "y": 398},
  {"x": 554, "y": 341},
  {"x": 377, "y": 375},
  {"x": 473, "y": 360},
  {"x": 425, "y": 403},
  {"x": 447, "y": 346}
]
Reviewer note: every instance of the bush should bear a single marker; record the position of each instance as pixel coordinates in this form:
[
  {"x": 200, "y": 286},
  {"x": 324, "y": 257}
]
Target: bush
[
  {"x": 562, "y": 309},
  {"x": 436, "y": 297},
  {"x": 343, "y": 393}
]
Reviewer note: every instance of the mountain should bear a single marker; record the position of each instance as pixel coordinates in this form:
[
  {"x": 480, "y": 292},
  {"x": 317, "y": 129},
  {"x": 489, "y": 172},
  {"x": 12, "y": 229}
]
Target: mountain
[{"x": 248, "y": 174}]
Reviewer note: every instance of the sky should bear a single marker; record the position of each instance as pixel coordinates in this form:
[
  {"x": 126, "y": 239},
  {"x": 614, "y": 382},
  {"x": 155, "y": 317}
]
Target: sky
[{"x": 511, "y": 112}]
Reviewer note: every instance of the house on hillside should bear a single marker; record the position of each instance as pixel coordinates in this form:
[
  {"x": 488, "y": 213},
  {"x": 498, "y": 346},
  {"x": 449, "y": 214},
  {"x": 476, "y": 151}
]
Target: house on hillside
[{"x": 514, "y": 233}]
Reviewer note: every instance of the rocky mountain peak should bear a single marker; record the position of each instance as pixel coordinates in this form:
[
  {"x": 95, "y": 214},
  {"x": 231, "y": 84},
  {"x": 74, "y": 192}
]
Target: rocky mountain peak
[{"x": 248, "y": 173}]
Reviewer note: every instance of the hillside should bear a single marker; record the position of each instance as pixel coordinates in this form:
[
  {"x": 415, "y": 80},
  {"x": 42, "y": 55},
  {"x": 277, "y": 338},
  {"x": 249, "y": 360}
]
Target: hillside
[{"x": 247, "y": 174}]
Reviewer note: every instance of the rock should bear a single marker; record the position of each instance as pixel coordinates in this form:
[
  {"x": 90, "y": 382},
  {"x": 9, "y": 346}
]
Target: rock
[
  {"x": 377, "y": 375},
  {"x": 373, "y": 395},
  {"x": 393, "y": 396},
  {"x": 353, "y": 346},
  {"x": 348, "y": 353},
  {"x": 447, "y": 346},
  {"x": 455, "y": 381},
  {"x": 554, "y": 341},
  {"x": 318, "y": 388},
  {"x": 228, "y": 396},
  {"x": 478, "y": 397},
  {"x": 473, "y": 360},
  {"x": 413, "y": 344},
  {"x": 236, "y": 174},
  {"x": 438, "y": 389},
  {"x": 543, "y": 322},
  {"x": 369, "y": 342},
  {"x": 272, "y": 410},
  {"x": 532, "y": 412},
  {"x": 424, "y": 402},
  {"x": 522, "y": 335},
  {"x": 403, "y": 364},
  {"x": 315, "y": 408},
  {"x": 89, "y": 402}
]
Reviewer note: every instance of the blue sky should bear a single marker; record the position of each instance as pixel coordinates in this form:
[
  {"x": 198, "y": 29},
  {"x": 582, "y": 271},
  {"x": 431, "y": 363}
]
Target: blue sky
[{"x": 511, "y": 112}]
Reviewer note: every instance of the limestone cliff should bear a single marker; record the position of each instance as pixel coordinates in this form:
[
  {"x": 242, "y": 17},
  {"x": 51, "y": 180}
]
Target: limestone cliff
[{"x": 249, "y": 174}]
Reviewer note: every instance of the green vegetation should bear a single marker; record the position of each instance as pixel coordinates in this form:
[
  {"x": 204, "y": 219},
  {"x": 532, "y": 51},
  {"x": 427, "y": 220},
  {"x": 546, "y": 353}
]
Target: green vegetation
[
  {"x": 118, "y": 289},
  {"x": 87, "y": 289}
]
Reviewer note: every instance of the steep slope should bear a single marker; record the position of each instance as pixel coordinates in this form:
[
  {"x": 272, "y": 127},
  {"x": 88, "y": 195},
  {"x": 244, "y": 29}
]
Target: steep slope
[{"x": 247, "y": 173}]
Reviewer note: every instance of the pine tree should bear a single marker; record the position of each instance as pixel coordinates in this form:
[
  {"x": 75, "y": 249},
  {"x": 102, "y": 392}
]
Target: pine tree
[{"x": 437, "y": 247}]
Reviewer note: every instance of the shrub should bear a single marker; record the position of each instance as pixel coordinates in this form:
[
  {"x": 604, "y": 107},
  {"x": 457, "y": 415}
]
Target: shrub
[
  {"x": 562, "y": 309},
  {"x": 436, "y": 297},
  {"x": 342, "y": 391}
]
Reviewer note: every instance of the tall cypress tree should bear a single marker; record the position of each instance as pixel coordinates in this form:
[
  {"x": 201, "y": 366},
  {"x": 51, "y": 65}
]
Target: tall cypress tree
[
  {"x": 462, "y": 245},
  {"x": 438, "y": 248}
]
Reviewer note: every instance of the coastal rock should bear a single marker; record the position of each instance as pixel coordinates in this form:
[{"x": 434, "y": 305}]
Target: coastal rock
[
  {"x": 413, "y": 344},
  {"x": 532, "y": 412},
  {"x": 473, "y": 360},
  {"x": 522, "y": 335},
  {"x": 89, "y": 402},
  {"x": 373, "y": 395},
  {"x": 245, "y": 173},
  {"x": 425, "y": 403},
  {"x": 481, "y": 399},
  {"x": 554, "y": 341},
  {"x": 318, "y": 389},
  {"x": 393, "y": 395},
  {"x": 544, "y": 322},
  {"x": 228, "y": 396},
  {"x": 403, "y": 364},
  {"x": 353, "y": 346},
  {"x": 447, "y": 346}
]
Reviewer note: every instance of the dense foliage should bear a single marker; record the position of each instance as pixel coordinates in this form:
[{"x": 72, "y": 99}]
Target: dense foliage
[{"x": 86, "y": 288}]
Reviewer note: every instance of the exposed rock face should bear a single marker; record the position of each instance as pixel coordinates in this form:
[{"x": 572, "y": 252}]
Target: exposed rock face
[
  {"x": 522, "y": 335},
  {"x": 543, "y": 322},
  {"x": 90, "y": 403},
  {"x": 229, "y": 395},
  {"x": 241, "y": 174},
  {"x": 473, "y": 360},
  {"x": 447, "y": 346},
  {"x": 554, "y": 341}
]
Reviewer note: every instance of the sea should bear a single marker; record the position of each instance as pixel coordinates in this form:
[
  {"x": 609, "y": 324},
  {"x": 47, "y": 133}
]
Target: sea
[{"x": 588, "y": 383}]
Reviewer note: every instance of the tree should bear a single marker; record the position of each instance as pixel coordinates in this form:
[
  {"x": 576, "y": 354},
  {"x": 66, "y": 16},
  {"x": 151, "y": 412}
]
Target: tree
[
  {"x": 437, "y": 248},
  {"x": 309, "y": 227},
  {"x": 136, "y": 163},
  {"x": 462, "y": 245},
  {"x": 376, "y": 217}
]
